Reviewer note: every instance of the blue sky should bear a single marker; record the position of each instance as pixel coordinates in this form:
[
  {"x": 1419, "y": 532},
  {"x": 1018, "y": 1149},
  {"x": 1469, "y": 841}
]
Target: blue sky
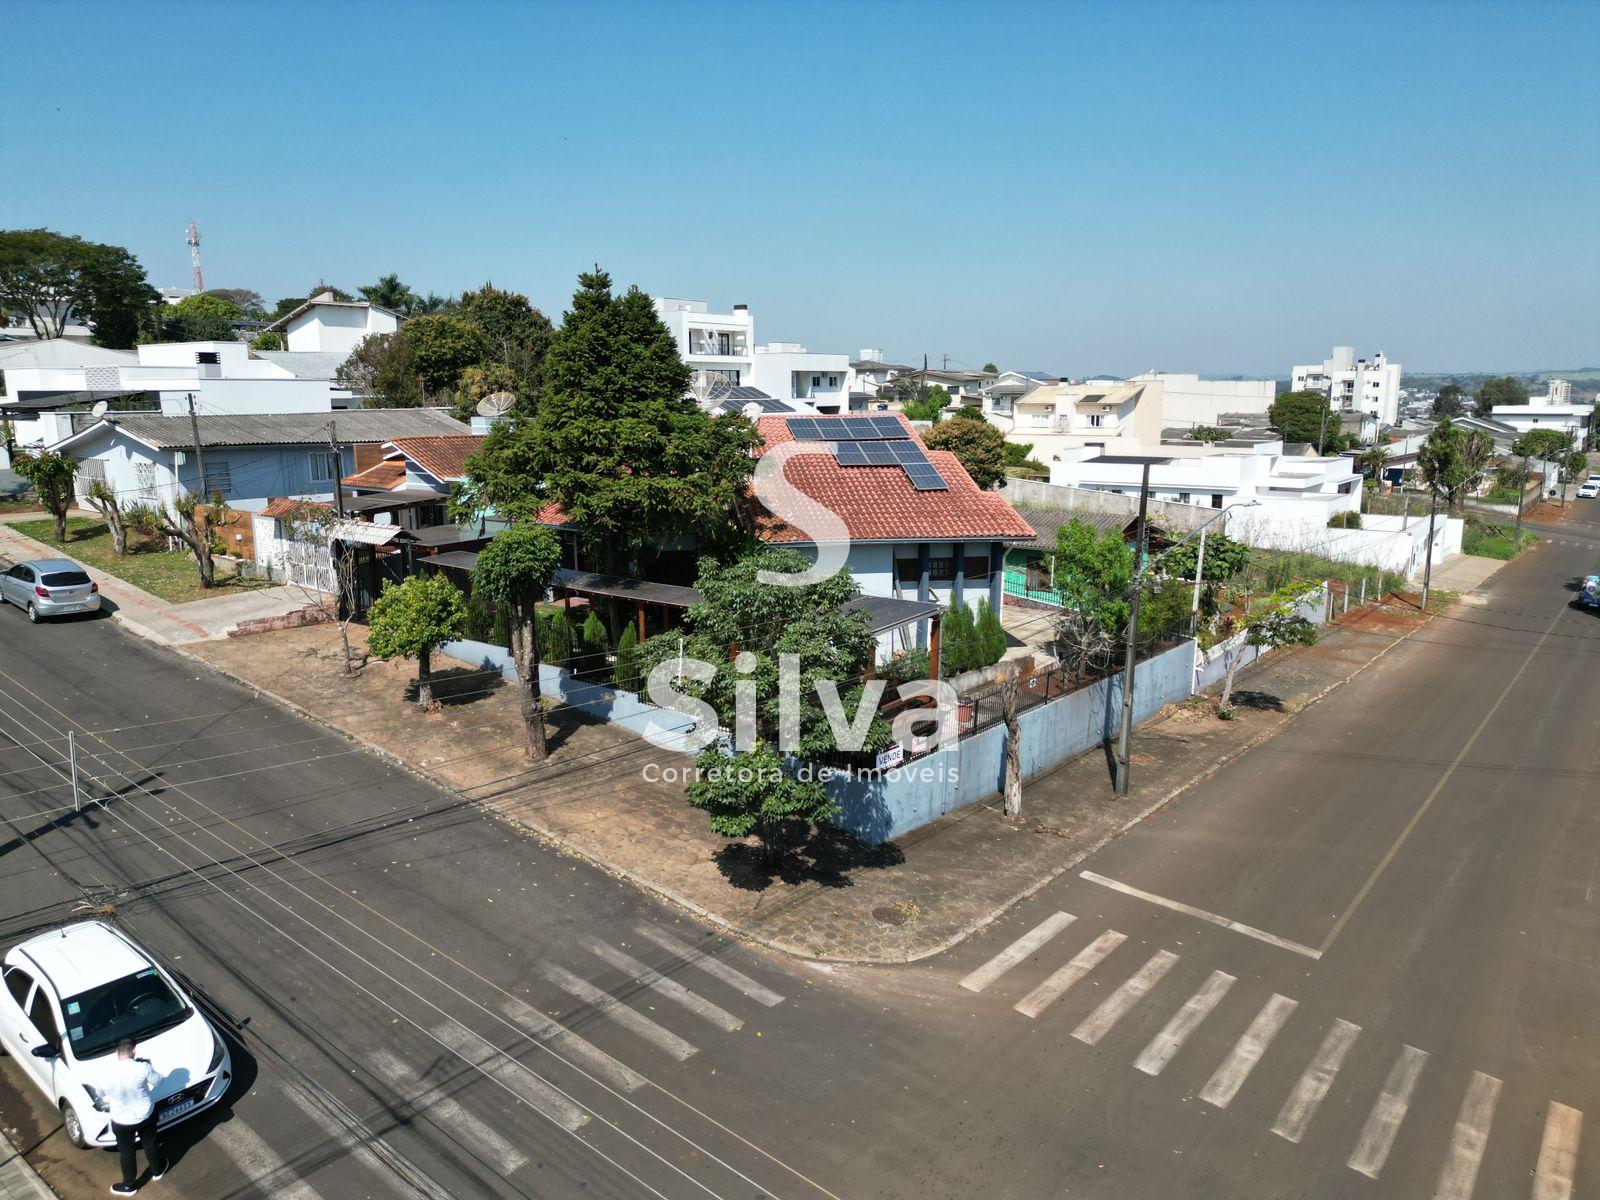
[{"x": 1076, "y": 187}]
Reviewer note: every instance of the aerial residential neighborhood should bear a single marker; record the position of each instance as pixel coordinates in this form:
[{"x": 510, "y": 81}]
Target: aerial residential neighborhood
[{"x": 588, "y": 610}]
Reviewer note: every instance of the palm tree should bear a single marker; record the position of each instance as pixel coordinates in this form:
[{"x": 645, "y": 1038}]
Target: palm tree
[
  {"x": 390, "y": 293},
  {"x": 1453, "y": 461},
  {"x": 1372, "y": 461}
]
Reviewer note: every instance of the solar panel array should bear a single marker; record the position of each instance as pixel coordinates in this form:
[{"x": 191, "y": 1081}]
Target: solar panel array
[{"x": 871, "y": 442}]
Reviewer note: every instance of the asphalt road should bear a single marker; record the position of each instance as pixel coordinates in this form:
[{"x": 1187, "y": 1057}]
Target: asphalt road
[{"x": 1362, "y": 960}]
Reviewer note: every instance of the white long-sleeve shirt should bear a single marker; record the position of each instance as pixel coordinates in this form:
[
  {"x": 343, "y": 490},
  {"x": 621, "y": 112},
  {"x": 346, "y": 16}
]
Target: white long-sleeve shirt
[{"x": 128, "y": 1085}]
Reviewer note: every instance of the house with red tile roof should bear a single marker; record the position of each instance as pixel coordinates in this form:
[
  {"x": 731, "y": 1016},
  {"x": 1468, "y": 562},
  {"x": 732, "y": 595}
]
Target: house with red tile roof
[{"x": 431, "y": 463}]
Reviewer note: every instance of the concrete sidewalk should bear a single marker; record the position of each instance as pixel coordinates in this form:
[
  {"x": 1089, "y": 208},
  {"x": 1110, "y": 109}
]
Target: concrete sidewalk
[
  {"x": 153, "y": 618},
  {"x": 19, "y": 1181}
]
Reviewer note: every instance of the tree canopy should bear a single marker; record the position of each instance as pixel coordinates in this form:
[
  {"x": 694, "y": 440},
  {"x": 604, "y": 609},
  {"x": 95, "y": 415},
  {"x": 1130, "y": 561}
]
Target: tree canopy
[
  {"x": 1305, "y": 416},
  {"x": 514, "y": 572},
  {"x": 49, "y": 278},
  {"x": 1505, "y": 390},
  {"x": 923, "y": 401},
  {"x": 414, "y": 618},
  {"x": 979, "y": 445},
  {"x": 382, "y": 369},
  {"x": 1542, "y": 444},
  {"x": 51, "y": 475},
  {"x": 247, "y": 300},
  {"x": 206, "y": 317},
  {"x": 1093, "y": 572},
  {"x": 616, "y": 440},
  {"x": 1449, "y": 402},
  {"x": 1453, "y": 460},
  {"x": 518, "y": 337},
  {"x": 442, "y": 347}
]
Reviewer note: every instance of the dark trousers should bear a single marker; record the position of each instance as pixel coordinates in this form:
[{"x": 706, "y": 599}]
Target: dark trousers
[{"x": 146, "y": 1132}]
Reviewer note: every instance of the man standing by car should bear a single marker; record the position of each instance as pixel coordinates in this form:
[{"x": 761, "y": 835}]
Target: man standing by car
[{"x": 129, "y": 1084}]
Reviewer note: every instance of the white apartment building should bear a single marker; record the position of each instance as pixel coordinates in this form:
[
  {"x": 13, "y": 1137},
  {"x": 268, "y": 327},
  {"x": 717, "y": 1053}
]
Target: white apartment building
[
  {"x": 724, "y": 344},
  {"x": 1305, "y": 490},
  {"x": 1558, "y": 391},
  {"x": 1370, "y": 387},
  {"x": 1188, "y": 400}
]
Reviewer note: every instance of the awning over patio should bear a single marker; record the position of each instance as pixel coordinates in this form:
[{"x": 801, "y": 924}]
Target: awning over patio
[{"x": 391, "y": 501}]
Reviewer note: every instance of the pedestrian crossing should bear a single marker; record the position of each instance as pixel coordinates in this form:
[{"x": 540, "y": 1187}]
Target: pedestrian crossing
[{"x": 1131, "y": 988}]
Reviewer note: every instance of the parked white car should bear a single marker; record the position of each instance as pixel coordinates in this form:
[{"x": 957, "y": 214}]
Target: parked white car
[
  {"x": 1589, "y": 490},
  {"x": 72, "y": 994}
]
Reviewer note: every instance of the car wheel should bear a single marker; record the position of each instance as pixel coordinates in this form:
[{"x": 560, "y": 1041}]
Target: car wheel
[
  {"x": 33, "y": 614},
  {"x": 73, "y": 1126}
]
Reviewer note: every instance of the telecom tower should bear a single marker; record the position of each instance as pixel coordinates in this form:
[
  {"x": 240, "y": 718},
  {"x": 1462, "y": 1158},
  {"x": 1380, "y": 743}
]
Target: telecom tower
[{"x": 194, "y": 253}]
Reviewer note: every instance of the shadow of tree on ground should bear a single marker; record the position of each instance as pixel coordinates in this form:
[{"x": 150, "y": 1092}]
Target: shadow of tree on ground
[{"x": 826, "y": 855}]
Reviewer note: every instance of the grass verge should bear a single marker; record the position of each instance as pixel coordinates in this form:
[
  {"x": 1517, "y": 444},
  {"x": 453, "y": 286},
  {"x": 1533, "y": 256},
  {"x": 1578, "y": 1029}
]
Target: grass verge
[{"x": 148, "y": 564}]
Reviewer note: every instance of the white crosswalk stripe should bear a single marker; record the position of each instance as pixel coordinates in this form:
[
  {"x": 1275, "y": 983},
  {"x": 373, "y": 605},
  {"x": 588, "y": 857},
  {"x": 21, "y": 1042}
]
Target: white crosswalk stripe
[
  {"x": 1459, "y": 1175},
  {"x": 1388, "y": 1111},
  {"x": 1155, "y": 1057},
  {"x": 1086, "y": 960},
  {"x": 259, "y": 1162},
  {"x": 610, "y": 1007},
  {"x": 1027, "y": 944},
  {"x": 1558, "y": 1153},
  {"x": 542, "y": 1029},
  {"x": 512, "y": 1075},
  {"x": 670, "y": 988},
  {"x": 1117, "y": 1005},
  {"x": 1295, "y": 1116},
  {"x": 451, "y": 1117},
  {"x": 712, "y": 966},
  {"x": 1230, "y": 1075}
]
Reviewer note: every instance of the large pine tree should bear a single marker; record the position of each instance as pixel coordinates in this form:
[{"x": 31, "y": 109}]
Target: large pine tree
[{"x": 616, "y": 440}]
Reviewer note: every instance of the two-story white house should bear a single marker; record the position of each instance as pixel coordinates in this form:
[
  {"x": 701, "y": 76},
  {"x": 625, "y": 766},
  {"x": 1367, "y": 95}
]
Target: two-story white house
[
  {"x": 325, "y": 325},
  {"x": 724, "y": 344}
]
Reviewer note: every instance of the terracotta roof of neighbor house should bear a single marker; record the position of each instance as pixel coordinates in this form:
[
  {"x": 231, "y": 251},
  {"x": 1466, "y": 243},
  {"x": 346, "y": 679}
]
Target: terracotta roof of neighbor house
[
  {"x": 388, "y": 474},
  {"x": 283, "y": 506},
  {"x": 445, "y": 458},
  {"x": 880, "y": 504}
]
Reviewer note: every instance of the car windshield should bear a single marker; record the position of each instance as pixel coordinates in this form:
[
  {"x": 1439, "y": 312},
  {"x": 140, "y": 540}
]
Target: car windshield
[
  {"x": 65, "y": 579},
  {"x": 134, "y": 1006}
]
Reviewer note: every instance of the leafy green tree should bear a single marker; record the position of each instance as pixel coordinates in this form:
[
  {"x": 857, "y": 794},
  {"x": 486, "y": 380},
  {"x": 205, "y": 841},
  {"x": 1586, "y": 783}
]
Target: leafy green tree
[
  {"x": 478, "y": 382},
  {"x": 51, "y": 475},
  {"x": 1506, "y": 390},
  {"x": 286, "y": 306},
  {"x": 556, "y": 640},
  {"x": 980, "y": 447},
  {"x": 389, "y": 293},
  {"x": 958, "y": 641},
  {"x": 990, "y": 635},
  {"x": 1093, "y": 572},
  {"x": 442, "y": 347},
  {"x": 413, "y": 619},
  {"x": 383, "y": 370},
  {"x": 1541, "y": 444},
  {"x": 924, "y": 402},
  {"x": 970, "y": 414},
  {"x": 991, "y": 369},
  {"x": 1452, "y": 461},
  {"x": 49, "y": 278},
  {"x": 596, "y": 641},
  {"x": 203, "y": 318},
  {"x": 753, "y": 793},
  {"x": 1269, "y": 623},
  {"x": 1574, "y": 466},
  {"x": 625, "y": 675},
  {"x": 616, "y": 440},
  {"x": 247, "y": 300},
  {"x": 514, "y": 572},
  {"x": 1304, "y": 417},
  {"x": 267, "y": 341},
  {"x": 1345, "y": 520},
  {"x": 1225, "y": 559},
  {"x": 1207, "y": 433},
  {"x": 1371, "y": 461},
  {"x": 518, "y": 335},
  {"x": 1450, "y": 401}
]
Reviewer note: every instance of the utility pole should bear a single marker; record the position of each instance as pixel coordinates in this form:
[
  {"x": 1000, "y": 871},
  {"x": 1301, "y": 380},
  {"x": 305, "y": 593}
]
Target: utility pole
[
  {"x": 1125, "y": 736},
  {"x": 72, "y": 765},
  {"x": 1427, "y": 560},
  {"x": 199, "y": 451},
  {"x": 1199, "y": 573},
  {"x": 1522, "y": 492},
  {"x": 338, "y": 471}
]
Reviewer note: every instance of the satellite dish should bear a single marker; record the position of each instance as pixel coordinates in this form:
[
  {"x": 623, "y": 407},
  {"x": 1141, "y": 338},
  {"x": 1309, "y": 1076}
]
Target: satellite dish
[
  {"x": 498, "y": 404},
  {"x": 709, "y": 388},
  {"x": 752, "y": 411},
  {"x": 99, "y": 409}
]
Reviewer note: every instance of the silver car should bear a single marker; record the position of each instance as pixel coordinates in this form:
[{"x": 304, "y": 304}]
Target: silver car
[{"x": 49, "y": 587}]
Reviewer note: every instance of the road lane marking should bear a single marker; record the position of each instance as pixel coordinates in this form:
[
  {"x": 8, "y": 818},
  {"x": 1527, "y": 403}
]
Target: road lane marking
[
  {"x": 1261, "y": 935},
  {"x": 1231, "y": 1073},
  {"x": 1558, "y": 1153},
  {"x": 1117, "y": 1005},
  {"x": 1294, "y": 1118},
  {"x": 610, "y": 1007},
  {"x": 1185, "y": 1021},
  {"x": 1017, "y": 951},
  {"x": 1459, "y": 1174},
  {"x": 452, "y": 1119},
  {"x": 511, "y": 1075},
  {"x": 259, "y": 1162},
  {"x": 670, "y": 988},
  {"x": 1416, "y": 817},
  {"x": 1388, "y": 1111},
  {"x": 542, "y": 1029},
  {"x": 712, "y": 966},
  {"x": 1084, "y": 961}
]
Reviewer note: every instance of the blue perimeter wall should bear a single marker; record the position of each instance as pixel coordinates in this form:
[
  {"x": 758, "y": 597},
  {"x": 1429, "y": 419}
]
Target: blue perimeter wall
[{"x": 876, "y": 810}]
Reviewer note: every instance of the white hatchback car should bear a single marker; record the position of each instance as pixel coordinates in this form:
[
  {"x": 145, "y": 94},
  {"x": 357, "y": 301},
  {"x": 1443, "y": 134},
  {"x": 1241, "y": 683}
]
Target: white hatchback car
[{"x": 72, "y": 994}]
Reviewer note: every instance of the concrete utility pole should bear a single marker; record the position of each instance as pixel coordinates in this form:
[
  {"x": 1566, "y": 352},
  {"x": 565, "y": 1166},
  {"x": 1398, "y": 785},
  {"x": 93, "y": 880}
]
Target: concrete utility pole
[
  {"x": 1199, "y": 574},
  {"x": 1427, "y": 560},
  {"x": 1522, "y": 492},
  {"x": 1125, "y": 735},
  {"x": 199, "y": 451},
  {"x": 338, "y": 471}
]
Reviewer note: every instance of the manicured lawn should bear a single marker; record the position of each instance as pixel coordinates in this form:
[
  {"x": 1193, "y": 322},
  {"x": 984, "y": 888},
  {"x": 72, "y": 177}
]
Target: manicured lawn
[{"x": 148, "y": 564}]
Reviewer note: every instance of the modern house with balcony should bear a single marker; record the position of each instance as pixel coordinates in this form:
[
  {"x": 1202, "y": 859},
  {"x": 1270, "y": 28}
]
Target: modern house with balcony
[
  {"x": 1369, "y": 387},
  {"x": 1056, "y": 418},
  {"x": 724, "y": 344}
]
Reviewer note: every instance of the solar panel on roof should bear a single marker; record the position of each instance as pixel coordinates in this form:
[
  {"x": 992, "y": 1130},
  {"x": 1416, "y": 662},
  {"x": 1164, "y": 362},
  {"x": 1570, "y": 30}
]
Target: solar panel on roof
[
  {"x": 804, "y": 429},
  {"x": 834, "y": 429},
  {"x": 889, "y": 427},
  {"x": 907, "y": 452},
  {"x": 925, "y": 478},
  {"x": 848, "y": 454},
  {"x": 878, "y": 454}
]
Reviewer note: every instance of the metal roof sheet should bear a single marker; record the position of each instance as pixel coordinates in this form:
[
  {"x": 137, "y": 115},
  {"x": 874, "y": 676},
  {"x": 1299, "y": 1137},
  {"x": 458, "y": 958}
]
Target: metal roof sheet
[{"x": 291, "y": 429}]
